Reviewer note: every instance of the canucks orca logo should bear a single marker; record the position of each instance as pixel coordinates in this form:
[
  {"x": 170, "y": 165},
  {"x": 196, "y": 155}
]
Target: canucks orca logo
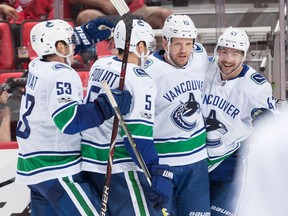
[
  {"x": 216, "y": 127},
  {"x": 49, "y": 24},
  {"x": 183, "y": 116}
]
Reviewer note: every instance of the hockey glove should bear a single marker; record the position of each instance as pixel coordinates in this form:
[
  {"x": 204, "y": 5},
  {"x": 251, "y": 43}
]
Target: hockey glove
[
  {"x": 90, "y": 33},
  {"x": 162, "y": 185},
  {"x": 123, "y": 99}
]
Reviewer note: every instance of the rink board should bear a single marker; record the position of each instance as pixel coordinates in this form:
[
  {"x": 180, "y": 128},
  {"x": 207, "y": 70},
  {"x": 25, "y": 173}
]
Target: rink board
[{"x": 14, "y": 198}]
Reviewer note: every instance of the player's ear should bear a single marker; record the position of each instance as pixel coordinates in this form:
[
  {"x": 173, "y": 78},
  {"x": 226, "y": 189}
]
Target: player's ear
[
  {"x": 61, "y": 46},
  {"x": 165, "y": 43},
  {"x": 141, "y": 47}
]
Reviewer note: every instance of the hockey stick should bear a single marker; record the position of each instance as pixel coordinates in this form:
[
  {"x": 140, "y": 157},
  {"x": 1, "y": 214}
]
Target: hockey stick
[
  {"x": 7, "y": 182},
  {"x": 130, "y": 138},
  {"x": 123, "y": 10}
]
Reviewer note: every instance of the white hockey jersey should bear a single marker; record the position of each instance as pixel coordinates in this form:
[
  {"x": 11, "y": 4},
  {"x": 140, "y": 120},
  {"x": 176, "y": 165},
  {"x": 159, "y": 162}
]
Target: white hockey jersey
[
  {"x": 96, "y": 142},
  {"x": 229, "y": 106},
  {"x": 179, "y": 130},
  {"x": 45, "y": 152}
]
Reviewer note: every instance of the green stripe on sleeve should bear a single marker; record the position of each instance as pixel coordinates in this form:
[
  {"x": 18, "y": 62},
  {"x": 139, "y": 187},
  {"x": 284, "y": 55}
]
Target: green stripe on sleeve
[
  {"x": 139, "y": 130},
  {"x": 65, "y": 116}
]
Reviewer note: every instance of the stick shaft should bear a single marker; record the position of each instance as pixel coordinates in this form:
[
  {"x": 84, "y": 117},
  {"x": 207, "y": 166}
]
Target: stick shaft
[
  {"x": 123, "y": 10},
  {"x": 7, "y": 182},
  {"x": 130, "y": 138},
  {"x": 127, "y": 132}
]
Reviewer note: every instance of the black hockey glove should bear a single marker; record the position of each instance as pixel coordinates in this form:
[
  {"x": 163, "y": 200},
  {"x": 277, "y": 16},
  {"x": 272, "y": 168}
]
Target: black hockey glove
[
  {"x": 123, "y": 100},
  {"x": 162, "y": 185},
  {"x": 92, "y": 32}
]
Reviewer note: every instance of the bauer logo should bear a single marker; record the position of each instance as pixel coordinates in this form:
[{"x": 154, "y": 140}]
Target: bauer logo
[{"x": 168, "y": 174}]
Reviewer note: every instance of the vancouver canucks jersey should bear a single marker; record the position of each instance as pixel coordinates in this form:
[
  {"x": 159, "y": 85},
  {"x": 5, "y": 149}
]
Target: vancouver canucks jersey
[
  {"x": 52, "y": 91},
  {"x": 179, "y": 130},
  {"x": 96, "y": 142},
  {"x": 229, "y": 107}
]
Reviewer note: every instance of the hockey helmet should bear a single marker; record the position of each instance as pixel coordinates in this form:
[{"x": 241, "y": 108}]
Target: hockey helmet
[
  {"x": 141, "y": 31},
  {"x": 234, "y": 38},
  {"x": 44, "y": 36},
  {"x": 179, "y": 26}
]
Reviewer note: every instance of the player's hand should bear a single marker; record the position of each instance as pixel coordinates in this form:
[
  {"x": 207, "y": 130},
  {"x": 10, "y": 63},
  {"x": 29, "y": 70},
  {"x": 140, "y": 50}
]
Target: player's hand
[
  {"x": 123, "y": 100},
  {"x": 92, "y": 32},
  {"x": 162, "y": 185}
]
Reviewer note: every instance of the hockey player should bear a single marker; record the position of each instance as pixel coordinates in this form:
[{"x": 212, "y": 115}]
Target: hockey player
[
  {"x": 235, "y": 95},
  {"x": 179, "y": 129},
  {"x": 128, "y": 182},
  {"x": 51, "y": 117}
]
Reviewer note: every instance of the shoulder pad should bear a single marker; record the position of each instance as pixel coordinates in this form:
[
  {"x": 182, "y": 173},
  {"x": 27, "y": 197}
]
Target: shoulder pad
[{"x": 258, "y": 78}]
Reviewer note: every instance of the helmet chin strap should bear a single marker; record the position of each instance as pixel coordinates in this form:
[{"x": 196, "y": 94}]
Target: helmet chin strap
[
  {"x": 68, "y": 61},
  {"x": 142, "y": 57}
]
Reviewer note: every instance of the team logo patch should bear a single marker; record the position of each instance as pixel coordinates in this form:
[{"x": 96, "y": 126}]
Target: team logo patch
[
  {"x": 140, "y": 72},
  {"x": 258, "y": 78},
  {"x": 183, "y": 116},
  {"x": 148, "y": 63},
  {"x": 64, "y": 99},
  {"x": 215, "y": 126},
  {"x": 198, "y": 48},
  {"x": 59, "y": 66}
]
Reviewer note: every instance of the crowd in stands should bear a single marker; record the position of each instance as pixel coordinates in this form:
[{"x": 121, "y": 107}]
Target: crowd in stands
[{"x": 17, "y": 12}]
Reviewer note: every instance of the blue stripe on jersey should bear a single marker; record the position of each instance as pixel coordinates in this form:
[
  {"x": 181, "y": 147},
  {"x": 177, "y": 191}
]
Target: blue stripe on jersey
[
  {"x": 115, "y": 161},
  {"x": 139, "y": 121},
  {"x": 50, "y": 152}
]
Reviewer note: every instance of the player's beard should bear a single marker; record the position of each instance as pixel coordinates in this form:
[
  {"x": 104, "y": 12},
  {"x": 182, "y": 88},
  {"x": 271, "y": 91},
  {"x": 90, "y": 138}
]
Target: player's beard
[
  {"x": 178, "y": 61},
  {"x": 228, "y": 70}
]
